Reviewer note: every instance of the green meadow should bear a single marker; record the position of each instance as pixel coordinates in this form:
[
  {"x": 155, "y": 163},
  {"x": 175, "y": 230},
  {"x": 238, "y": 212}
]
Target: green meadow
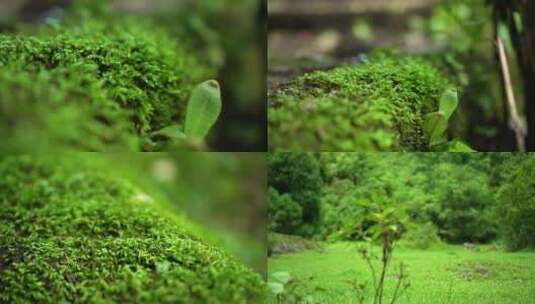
[
  {"x": 447, "y": 274},
  {"x": 401, "y": 228}
]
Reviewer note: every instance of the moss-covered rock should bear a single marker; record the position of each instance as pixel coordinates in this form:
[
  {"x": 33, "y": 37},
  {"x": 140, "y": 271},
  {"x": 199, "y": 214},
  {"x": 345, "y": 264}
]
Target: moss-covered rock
[
  {"x": 373, "y": 106},
  {"x": 122, "y": 76},
  {"x": 71, "y": 234}
]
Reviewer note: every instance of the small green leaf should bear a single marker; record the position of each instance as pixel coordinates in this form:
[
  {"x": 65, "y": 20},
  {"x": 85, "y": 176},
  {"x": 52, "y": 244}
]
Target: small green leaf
[
  {"x": 204, "y": 107},
  {"x": 282, "y": 277},
  {"x": 172, "y": 131},
  {"x": 276, "y": 288},
  {"x": 435, "y": 124},
  {"x": 449, "y": 102}
]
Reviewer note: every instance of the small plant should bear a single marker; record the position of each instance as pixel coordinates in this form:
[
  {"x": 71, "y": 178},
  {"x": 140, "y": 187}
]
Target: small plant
[
  {"x": 288, "y": 290},
  {"x": 388, "y": 229},
  {"x": 204, "y": 108},
  {"x": 436, "y": 123}
]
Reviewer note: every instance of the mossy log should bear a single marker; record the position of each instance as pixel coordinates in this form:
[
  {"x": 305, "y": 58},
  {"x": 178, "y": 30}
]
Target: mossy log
[
  {"x": 70, "y": 233},
  {"x": 373, "y": 106}
]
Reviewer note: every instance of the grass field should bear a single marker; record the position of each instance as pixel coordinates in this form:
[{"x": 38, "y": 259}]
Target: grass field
[{"x": 446, "y": 274}]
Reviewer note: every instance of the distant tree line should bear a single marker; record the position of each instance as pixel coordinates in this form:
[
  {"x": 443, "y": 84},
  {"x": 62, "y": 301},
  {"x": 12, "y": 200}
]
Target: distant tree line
[{"x": 449, "y": 196}]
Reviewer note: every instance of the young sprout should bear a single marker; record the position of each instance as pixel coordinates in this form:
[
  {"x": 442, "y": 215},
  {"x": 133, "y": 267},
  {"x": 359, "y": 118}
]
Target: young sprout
[
  {"x": 436, "y": 123},
  {"x": 204, "y": 108}
]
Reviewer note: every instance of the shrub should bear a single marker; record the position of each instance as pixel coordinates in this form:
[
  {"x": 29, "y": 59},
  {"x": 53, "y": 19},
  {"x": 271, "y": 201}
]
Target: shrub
[
  {"x": 285, "y": 215},
  {"x": 71, "y": 233},
  {"x": 516, "y": 207},
  {"x": 463, "y": 212},
  {"x": 299, "y": 176},
  {"x": 376, "y": 106},
  {"x": 421, "y": 236}
]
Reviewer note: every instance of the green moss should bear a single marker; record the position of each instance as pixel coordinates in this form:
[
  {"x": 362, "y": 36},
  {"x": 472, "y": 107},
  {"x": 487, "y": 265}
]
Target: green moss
[
  {"x": 376, "y": 106},
  {"x": 126, "y": 65},
  {"x": 70, "y": 234}
]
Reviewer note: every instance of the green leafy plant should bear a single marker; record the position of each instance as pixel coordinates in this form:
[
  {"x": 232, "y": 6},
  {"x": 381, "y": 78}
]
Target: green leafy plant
[
  {"x": 436, "y": 123},
  {"x": 288, "y": 290},
  {"x": 388, "y": 228},
  {"x": 204, "y": 108}
]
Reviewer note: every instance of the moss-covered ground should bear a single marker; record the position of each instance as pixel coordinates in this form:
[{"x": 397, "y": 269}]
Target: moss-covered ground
[
  {"x": 95, "y": 80},
  {"x": 377, "y": 105},
  {"x": 447, "y": 274},
  {"x": 73, "y": 231}
]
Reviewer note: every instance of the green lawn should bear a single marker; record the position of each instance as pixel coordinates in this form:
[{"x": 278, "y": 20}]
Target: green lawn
[{"x": 449, "y": 274}]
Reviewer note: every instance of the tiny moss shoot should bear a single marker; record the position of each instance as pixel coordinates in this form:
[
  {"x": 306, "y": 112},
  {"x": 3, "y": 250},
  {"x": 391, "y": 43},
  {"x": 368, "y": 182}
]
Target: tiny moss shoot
[
  {"x": 374, "y": 106},
  {"x": 73, "y": 234}
]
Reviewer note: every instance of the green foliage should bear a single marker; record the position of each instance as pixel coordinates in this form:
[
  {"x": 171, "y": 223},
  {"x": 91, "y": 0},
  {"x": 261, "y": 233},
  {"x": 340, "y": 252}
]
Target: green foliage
[
  {"x": 463, "y": 31},
  {"x": 376, "y": 106},
  {"x": 436, "y": 123},
  {"x": 453, "y": 191},
  {"x": 297, "y": 175},
  {"x": 133, "y": 79},
  {"x": 285, "y": 289},
  {"x": 71, "y": 233},
  {"x": 421, "y": 236},
  {"x": 387, "y": 229},
  {"x": 516, "y": 208},
  {"x": 285, "y": 214},
  {"x": 465, "y": 206}
]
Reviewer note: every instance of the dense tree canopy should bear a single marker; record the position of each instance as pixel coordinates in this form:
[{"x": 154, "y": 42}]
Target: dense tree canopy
[
  {"x": 517, "y": 208},
  {"x": 447, "y": 196},
  {"x": 297, "y": 178}
]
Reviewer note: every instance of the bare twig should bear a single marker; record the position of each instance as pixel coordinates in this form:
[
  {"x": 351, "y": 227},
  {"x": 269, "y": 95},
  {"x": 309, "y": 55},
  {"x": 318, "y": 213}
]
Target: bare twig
[{"x": 515, "y": 121}]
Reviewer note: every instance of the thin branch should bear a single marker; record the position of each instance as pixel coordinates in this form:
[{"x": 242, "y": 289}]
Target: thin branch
[
  {"x": 370, "y": 264},
  {"x": 515, "y": 121},
  {"x": 401, "y": 278}
]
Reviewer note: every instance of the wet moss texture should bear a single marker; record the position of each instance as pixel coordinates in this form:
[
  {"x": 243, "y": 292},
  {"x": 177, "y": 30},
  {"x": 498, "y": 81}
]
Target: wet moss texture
[{"x": 74, "y": 234}]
